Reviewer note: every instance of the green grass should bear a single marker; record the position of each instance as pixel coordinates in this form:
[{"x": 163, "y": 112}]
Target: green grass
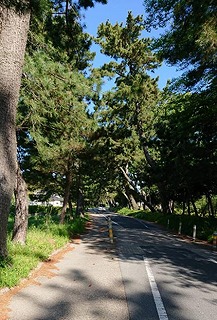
[
  {"x": 205, "y": 226},
  {"x": 45, "y": 235}
]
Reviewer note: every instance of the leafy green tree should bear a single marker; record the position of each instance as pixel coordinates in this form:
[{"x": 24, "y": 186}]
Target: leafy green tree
[
  {"x": 186, "y": 138},
  {"x": 15, "y": 15},
  {"x": 110, "y": 150},
  {"x": 59, "y": 34},
  {"x": 132, "y": 105},
  {"x": 187, "y": 134},
  {"x": 55, "y": 114},
  {"x": 120, "y": 160},
  {"x": 190, "y": 38}
]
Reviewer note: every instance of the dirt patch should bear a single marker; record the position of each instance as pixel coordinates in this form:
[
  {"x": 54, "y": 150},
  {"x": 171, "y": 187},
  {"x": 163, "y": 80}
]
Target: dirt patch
[{"x": 47, "y": 269}]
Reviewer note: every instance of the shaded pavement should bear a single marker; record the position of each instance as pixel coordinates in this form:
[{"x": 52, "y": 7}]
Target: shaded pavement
[
  {"x": 93, "y": 279},
  {"x": 85, "y": 284}
]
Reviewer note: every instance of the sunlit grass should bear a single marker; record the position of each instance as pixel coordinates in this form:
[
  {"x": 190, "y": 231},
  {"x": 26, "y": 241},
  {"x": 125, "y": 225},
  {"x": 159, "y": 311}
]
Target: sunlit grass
[{"x": 41, "y": 242}]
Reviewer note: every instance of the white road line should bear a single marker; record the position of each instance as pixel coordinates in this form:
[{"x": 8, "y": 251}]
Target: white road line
[
  {"x": 156, "y": 294},
  {"x": 212, "y": 260},
  {"x": 143, "y": 223}
]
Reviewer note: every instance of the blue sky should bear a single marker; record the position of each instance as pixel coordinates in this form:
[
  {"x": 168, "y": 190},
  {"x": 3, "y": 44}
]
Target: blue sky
[{"x": 116, "y": 11}]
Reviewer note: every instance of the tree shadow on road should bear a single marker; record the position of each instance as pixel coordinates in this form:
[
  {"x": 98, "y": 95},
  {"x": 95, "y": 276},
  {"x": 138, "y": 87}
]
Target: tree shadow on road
[{"x": 83, "y": 297}]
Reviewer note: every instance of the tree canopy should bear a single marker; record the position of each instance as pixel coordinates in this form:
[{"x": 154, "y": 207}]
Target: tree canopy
[
  {"x": 139, "y": 145},
  {"x": 190, "y": 37},
  {"x": 186, "y": 133}
]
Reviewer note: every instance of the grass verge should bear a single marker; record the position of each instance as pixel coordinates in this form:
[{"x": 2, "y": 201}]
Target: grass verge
[
  {"x": 44, "y": 237},
  {"x": 205, "y": 225}
]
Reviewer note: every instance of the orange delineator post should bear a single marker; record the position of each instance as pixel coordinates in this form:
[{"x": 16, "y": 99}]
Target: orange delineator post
[
  {"x": 214, "y": 240},
  {"x": 110, "y": 229}
]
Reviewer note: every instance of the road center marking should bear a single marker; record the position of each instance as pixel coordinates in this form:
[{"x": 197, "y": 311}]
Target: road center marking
[{"x": 156, "y": 294}]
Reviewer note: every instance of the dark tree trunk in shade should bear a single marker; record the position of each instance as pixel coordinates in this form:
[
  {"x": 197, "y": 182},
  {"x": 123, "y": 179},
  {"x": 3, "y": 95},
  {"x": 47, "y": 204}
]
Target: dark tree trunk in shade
[
  {"x": 66, "y": 196},
  {"x": 22, "y": 209},
  {"x": 80, "y": 197}
]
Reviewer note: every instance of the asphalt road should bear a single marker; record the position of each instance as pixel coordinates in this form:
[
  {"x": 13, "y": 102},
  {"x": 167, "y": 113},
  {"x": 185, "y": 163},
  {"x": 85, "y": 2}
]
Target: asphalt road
[
  {"x": 146, "y": 274},
  {"x": 84, "y": 284},
  {"x": 164, "y": 277}
]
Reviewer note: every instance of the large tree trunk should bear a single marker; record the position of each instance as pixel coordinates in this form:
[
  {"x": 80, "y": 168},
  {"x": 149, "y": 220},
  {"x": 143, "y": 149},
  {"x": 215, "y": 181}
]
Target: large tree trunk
[
  {"x": 130, "y": 199},
  {"x": 22, "y": 209},
  {"x": 13, "y": 35},
  {"x": 132, "y": 202}
]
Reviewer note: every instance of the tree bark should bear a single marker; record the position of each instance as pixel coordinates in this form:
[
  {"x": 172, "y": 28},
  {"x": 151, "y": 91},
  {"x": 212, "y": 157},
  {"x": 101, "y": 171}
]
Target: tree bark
[
  {"x": 13, "y": 35},
  {"x": 189, "y": 207},
  {"x": 22, "y": 209},
  {"x": 126, "y": 197},
  {"x": 149, "y": 205},
  {"x": 183, "y": 204},
  {"x": 194, "y": 207},
  {"x": 132, "y": 202},
  {"x": 80, "y": 197},
  {"x": 130, "y": 199},
  {"x": 80, "y": 203},
  {"x": 210, "y": 205},
  {"x": 66, "y": 196}
]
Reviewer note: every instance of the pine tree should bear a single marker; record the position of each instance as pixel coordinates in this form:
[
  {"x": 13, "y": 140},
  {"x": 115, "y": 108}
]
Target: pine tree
[
  {"x": 55, "y": 30},
  {"x": 190, "y": 38},
  {"x": 132, "y": 104}
]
